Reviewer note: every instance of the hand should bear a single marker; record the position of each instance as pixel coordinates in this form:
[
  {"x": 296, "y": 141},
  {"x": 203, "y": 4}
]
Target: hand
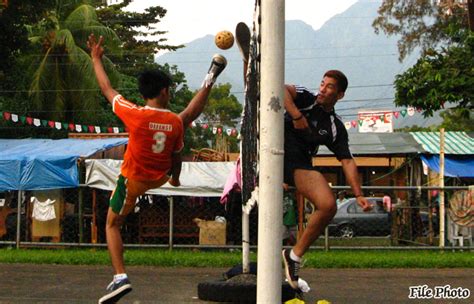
[
  {"x": 174, "y": 182},
  {"x": 301, "y": 123},
  {"x": 96, "y": 48},
  {"x": 285, "y": 187},
  {"x": 364, "y": 203}
]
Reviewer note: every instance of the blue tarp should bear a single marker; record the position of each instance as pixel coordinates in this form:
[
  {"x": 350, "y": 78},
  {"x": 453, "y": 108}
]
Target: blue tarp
[
  {"x": 40, "y": 164},
  {"x": 455, "y": 166}
]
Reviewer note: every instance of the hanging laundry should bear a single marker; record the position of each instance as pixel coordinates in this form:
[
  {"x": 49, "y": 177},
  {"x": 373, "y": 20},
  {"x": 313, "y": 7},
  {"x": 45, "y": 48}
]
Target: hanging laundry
[{"x": 43, "y": 210}]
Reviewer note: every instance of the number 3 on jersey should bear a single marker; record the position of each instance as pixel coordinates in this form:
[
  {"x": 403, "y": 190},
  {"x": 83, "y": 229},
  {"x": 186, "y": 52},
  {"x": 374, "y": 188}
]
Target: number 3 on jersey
[{"x": 160, "y": 140}]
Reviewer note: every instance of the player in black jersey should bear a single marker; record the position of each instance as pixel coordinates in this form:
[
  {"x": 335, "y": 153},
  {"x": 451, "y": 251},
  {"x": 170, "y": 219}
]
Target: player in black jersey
[{"x": 310, "y": 121}]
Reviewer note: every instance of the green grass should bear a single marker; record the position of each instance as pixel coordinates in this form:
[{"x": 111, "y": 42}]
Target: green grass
[{"x": 215, "y": 258}]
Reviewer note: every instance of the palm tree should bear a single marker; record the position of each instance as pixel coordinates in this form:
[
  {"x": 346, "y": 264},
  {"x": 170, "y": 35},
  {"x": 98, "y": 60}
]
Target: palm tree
[{"x": 63, "y": 85}]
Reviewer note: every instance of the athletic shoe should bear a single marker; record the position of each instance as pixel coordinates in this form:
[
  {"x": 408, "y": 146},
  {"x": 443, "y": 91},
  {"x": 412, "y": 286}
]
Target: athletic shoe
[
  {"x": 218, "y": 64},
  {"x": 242, "y": 34},
  {"x": 291, "y": 269},
  {"x": 116, "y": 291}
]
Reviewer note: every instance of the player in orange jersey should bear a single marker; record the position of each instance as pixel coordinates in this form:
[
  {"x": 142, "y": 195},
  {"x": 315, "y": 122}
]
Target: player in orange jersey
[{"x": 153, "y": 152}]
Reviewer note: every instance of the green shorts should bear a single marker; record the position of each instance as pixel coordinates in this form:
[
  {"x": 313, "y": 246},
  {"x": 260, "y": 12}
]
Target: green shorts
[
  {"x": 127, "y": 191},
  {"x": 117, "y": 200}
]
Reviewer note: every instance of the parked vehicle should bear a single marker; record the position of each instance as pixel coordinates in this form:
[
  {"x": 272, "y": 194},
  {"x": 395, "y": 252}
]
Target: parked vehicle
[{"x": 351, "y": 220}]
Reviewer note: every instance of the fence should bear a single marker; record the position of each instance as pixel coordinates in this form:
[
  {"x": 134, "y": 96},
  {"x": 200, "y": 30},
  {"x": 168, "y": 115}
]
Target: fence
[{"x": 76, "y": 217}]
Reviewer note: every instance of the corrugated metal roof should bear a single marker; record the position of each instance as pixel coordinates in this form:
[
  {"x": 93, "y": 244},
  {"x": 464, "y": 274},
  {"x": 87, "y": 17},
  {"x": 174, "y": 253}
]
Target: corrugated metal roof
[
  {"x": 454, "y": 142},
  {"x": 380, "y": 144}
]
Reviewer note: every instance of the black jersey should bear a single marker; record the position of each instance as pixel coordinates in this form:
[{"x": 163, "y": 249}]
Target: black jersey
[{"x": 326, "y": 128}]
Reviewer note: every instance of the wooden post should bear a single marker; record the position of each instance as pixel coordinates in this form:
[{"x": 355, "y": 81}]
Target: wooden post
[
  {"x": 171, "y": 223},
  {"x": 441, "y": 192},
  {"x": 94, "y": 216},
  {"x": 430, "y": 217},
  {"x": 470, "y": 13},
  {"x": 80, "y": 213},
  {"x": 18, "y": 219}
]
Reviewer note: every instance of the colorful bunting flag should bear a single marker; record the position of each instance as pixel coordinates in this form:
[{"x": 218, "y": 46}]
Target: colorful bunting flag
[{"x": 214, "y": 129}]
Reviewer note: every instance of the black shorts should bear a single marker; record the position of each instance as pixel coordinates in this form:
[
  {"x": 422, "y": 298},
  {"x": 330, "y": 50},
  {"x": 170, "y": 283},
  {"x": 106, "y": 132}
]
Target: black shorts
[{"x": 296, "y": 157}]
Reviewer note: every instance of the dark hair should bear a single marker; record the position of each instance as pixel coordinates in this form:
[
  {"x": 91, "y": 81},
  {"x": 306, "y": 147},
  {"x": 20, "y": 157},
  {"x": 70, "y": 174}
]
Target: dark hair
[
  {"x": 341, "y": 79},
  {"x": 151, "y": 82}
]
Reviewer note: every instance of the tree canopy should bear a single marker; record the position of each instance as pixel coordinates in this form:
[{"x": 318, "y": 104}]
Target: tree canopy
[
  {"x": 139, "y": 33},
  {"x": 63, "y": 82},
  {"x": 421, "y": 23},
  {"x": 439, "y": 78},
  {"x": 45, "y": 54},
  {"x": 444, "y": 74}
]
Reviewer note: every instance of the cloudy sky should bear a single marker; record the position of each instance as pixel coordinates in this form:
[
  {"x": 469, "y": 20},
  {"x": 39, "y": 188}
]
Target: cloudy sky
[{"x": 187, "y": 20}]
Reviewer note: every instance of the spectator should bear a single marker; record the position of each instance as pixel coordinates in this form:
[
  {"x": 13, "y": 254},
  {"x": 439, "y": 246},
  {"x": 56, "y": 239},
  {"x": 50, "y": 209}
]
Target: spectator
[
  {"x": 341, "y": 197},
  {"x": 387, "y": 202}
]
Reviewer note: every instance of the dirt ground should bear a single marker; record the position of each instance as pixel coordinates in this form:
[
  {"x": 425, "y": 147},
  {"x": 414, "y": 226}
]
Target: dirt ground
[{"x": 26, "y": 283}]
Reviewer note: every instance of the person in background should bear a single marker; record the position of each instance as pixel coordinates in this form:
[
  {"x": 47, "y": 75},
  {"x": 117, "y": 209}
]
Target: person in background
[
  {"x": 310, "y": 121},
  {"x": 387, "y": 202},
  {"x": 153, "y": 155},
  {"x": 341, "y": 197}
]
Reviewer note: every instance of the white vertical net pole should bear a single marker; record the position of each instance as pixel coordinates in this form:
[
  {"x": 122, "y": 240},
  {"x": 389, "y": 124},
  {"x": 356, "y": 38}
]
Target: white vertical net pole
[
  {"x": 245, "y": 242},
  {"x": 270, "y": 208}
]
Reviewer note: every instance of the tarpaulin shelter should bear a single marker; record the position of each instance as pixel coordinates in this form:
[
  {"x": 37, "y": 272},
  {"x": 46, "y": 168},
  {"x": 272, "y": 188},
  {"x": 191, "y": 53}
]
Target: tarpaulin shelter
[
  {"x": 458, "y": 149},
  {"x": 198, "y": 179},
  {"x": 40, "y": 164}
]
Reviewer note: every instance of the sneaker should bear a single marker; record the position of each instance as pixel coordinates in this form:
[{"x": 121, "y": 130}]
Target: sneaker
[
  {"x": 218, "y": 64},
  {"x": 242, "y": 34},
  {"x": 291, "y": 269},
  {"x": 116, "y": 291}
]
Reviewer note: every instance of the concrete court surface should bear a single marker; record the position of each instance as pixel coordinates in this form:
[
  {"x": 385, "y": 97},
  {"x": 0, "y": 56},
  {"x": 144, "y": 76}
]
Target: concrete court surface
[{"x": 31, "y": 283}]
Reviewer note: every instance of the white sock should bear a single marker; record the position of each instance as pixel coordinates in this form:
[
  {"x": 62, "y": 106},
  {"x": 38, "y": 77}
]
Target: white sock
[
  {"x": 120, "y": 276},
  {"x": 294, "y": 257}
]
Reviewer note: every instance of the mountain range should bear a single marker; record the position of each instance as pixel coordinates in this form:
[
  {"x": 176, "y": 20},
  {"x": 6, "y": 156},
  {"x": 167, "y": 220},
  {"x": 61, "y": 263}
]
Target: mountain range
[{"x": 346, "y": 42}]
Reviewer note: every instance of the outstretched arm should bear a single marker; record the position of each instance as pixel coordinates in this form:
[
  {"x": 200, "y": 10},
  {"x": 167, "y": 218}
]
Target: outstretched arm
[
  {"x": 350, "y": 171},
  {"x": 195, "y": 106},
  {"x": 97, "y": 51}
]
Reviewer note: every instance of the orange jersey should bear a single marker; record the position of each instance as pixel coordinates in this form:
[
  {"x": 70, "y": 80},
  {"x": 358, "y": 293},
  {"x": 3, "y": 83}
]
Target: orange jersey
[{"x": 154, "y": 135}]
